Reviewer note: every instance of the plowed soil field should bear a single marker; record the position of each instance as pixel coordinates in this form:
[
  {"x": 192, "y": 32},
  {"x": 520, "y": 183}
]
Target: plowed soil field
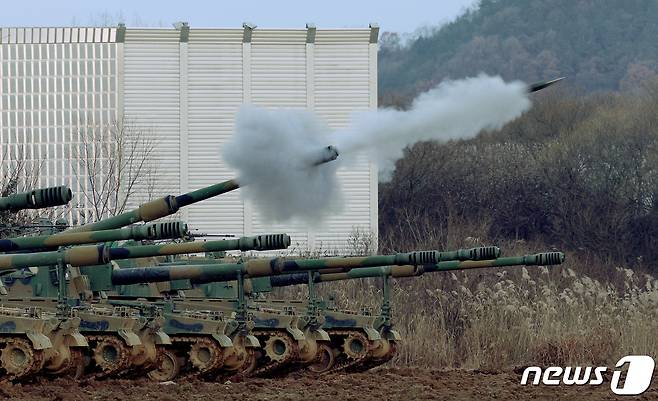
[{"x": 383, "y": 384}]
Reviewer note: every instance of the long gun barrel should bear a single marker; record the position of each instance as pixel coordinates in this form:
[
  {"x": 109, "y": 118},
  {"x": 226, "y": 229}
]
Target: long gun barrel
[
  {"x": 539, "y": 259},
  {"x": 151, "y": 231},
  {"x": 169, "y": 204},
  {"x": 269, "y": 267},
  {"x": 102, "y": 254},
  {"x": 36, "y": 199}
]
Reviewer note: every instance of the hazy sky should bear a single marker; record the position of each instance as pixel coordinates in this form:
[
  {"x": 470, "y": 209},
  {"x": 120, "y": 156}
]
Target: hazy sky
[{"x": 398, "y": 16}]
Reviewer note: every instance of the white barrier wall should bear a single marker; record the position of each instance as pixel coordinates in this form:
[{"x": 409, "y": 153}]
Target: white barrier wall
[
  {"x": 56, "y": 86},
  {"x": 181, "y": 88}
]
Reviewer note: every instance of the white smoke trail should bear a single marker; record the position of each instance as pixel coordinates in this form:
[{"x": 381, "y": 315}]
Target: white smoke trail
[
  {"x": 452, "y": 110},
  {"x": 273, "y": 150}
]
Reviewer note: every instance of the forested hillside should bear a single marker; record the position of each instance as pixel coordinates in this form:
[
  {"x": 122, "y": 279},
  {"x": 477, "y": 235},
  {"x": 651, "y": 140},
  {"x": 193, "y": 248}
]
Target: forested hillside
[
  {"x": 579, "y": 171},
  {"x": 598, "y": 44}
]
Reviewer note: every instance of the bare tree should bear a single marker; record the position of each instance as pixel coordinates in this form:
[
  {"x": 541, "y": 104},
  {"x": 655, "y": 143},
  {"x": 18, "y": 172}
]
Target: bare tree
[
  {"x": 17, "y": 175},
  {"x": 114, "y": 165}
]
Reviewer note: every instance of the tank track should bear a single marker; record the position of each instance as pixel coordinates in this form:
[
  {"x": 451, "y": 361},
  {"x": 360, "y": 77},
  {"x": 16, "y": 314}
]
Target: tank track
[
  {"x": 247, "y": 369},
  {"x": 285, "y": 364},
  {"x": 77, "y": 367},
  {"x": 16, "y": 351},
  {"x": 371, "y": 363},
  {"x": 143, "y": 370},
  {"x": 363, "y": 362},
  {"x": 344, "y": 362},
  {"x": 201, "y": 368},
  {"x": 109, "y": 363}
]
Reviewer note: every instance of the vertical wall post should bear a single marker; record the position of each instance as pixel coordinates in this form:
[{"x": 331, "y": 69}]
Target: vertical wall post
[
  {"x": 246, "y": 98},
  {"x": 120, "y": 63},
  {"x": 310, "y": 99},
  {"x": 372, "y": 89},
  {"x": 184, "y": 29}
]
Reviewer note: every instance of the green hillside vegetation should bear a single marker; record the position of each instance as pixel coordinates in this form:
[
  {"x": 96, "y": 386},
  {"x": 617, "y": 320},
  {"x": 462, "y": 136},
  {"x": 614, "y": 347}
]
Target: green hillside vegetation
[
  {"x": 578, "y": 172},
  {"x": 599, "y": 45}
]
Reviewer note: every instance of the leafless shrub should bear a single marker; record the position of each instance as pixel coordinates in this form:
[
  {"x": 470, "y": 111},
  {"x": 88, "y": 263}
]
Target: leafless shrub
[
  {"x": 579, "y": 173},
  {"x": 116, "y": 163},
  {"x": 361, "y": 242}
]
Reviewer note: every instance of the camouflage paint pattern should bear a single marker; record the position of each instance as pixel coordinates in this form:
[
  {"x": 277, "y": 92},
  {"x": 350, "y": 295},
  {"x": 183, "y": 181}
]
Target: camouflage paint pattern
[
  {"x": 158, "y": 208},
  {"x": 102, "y": 254},
  {"x": 205, "y": 273},
  {"x": 36, "y": 199},
  {"x": 540, "y": 259},
  {"x": 152, "y": 231}
]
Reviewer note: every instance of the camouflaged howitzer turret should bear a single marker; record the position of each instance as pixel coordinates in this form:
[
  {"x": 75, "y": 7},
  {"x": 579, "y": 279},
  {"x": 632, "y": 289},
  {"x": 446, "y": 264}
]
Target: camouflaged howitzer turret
[
  {"x": 122, "y": 339},
  {"x": 34, "y": 341},
  {"x": 355, "y": 354},
  {"x": 207, "y": 343},
  {"x": 289, "y": 343},
  {"x": 208, "y": 340},
  {"x": 117, "y": 340}
]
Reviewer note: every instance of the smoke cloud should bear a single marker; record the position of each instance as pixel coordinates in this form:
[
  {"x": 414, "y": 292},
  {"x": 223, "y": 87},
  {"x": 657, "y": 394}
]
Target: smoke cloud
[{"x": 273, "y": 150}]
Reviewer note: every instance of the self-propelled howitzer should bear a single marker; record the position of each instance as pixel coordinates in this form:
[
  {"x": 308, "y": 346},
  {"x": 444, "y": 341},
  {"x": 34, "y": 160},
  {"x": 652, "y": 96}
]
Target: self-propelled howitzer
[
  {"x": 361, "y": 340},
  {"x": 373, "y": 353},
  {"x": 36, "y": 199},
  {"x": 286, "y": 346}
]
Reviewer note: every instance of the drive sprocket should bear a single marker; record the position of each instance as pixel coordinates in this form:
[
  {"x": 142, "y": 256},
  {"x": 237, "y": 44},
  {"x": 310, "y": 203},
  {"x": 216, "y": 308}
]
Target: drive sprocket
[
  {"x": 279, "y": 347},
  {"x": 19, "y": 359},
  {"x": 206, "y": 356},
  {"x": 356, "y": 345},
  {"x": 111, "y": 355}
]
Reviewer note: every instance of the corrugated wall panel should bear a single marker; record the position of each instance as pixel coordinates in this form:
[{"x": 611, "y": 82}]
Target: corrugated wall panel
[
  {"x": 214, "y": 95},
  {"x": 278, "y": 79},
  {"x": 214, "y": 35},
  {"x": 184, "y": 96},
  {"x": 57, "y": 99},
  {"x": 152, "y": 102},
  {"x": 341, "y": 89},
  {"x": 279, "y": 36},
  {"x": 278, "y": 75}
]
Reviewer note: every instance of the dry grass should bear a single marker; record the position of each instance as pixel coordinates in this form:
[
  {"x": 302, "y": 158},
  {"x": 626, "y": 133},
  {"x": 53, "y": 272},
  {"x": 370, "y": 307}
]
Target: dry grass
[{"x": 582, "y": 312}]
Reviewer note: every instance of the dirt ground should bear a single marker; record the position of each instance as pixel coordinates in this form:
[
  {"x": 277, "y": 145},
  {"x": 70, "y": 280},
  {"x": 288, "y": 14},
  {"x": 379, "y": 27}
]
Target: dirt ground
[{"x": 384, "y": 384}]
